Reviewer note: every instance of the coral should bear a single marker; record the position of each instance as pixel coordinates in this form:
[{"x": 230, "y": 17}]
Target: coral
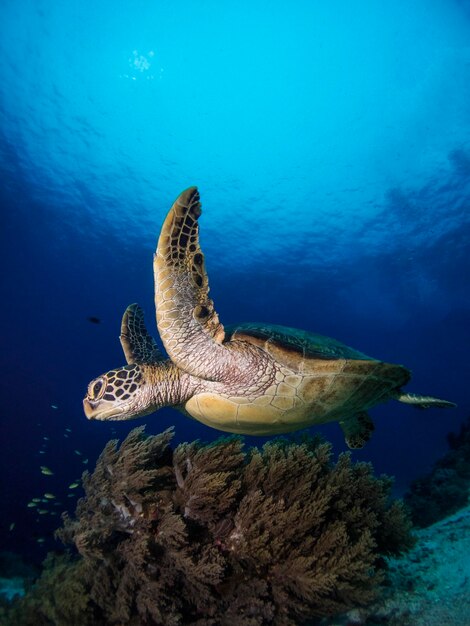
[
  {"x": 445, "y": 489},
  {"x": 214, "y": 535},
  {"x": 58, "y": 597}
]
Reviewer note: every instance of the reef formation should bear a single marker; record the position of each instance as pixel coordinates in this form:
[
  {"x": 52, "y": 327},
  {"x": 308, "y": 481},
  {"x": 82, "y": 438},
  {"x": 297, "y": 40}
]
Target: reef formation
[
  {"x": 214, "y": 535},
  {"x": 446, "y": 488}
]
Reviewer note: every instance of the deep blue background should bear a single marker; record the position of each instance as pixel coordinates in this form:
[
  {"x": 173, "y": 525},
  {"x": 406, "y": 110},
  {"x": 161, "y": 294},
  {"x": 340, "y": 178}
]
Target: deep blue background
[{"x": 331, "y": 145}]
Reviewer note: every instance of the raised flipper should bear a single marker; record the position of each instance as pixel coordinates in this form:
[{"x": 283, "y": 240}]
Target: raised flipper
[
  {"x": 423, "y": 402},
  {"x": 138, "y": 345},
  {"x": 187, "y": 322},
  {"x": 357, "y": 430}
]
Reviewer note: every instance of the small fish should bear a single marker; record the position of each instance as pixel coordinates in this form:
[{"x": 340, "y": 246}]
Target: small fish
[
  {"x": 49, "y": 496},
  {"x": 54, "y": 406},
  {"x": 43, "y": 511},
  {"x": 12, "y": 526},
  {"x": 71, "y": 495},
  {"x": 30, "y": 505},
  {"x": 36, "y": 500},
  {"x": 66, "y": 435},
  {"x": 78, "y": 452},
  {"x": 85, "y": 461},
  {"x": 46, "y": 438},
  {"x": 42, "y": 452},
  {"x": 94, "y": 320},
  {"x": 69, "y": 430},
  {"x": 40, "y": 540},
  {"x": 74, "y": 485},
  {"x": 57, "y": 503},
  {"x": 46, "y": 471}
]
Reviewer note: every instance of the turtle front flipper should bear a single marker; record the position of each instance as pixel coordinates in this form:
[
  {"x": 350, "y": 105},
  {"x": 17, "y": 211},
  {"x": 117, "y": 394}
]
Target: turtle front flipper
[
  {"x": 357, "y": 430},
  {"x": 138, "y": 345},
  {"x": 187, "y": 322}
]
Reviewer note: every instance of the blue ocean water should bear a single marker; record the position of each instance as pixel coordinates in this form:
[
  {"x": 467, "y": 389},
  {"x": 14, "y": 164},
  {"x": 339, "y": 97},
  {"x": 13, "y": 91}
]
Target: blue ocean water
[{"x": 331, "y": 146}]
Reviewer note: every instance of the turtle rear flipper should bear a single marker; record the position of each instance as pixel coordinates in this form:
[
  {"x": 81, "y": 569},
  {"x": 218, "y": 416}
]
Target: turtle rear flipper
[
  {"x": 424, "y": 402},
  {"x": 357, "y": 430}
]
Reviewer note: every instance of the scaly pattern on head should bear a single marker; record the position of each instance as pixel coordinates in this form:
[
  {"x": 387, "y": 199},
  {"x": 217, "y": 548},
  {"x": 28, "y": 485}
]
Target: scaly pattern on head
[{"x": 114, "y": 394}]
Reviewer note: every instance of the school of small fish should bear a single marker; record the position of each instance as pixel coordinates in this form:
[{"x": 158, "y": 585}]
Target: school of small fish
[{"x": 48, "y": 504}]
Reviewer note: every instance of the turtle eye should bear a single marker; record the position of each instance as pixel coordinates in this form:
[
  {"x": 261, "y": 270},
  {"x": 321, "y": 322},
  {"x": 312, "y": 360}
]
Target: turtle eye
[{"x": 96, "y": 388}]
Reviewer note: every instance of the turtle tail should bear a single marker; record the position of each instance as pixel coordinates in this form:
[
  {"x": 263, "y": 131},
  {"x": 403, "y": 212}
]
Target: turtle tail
[{"x": 423, "y": 402}]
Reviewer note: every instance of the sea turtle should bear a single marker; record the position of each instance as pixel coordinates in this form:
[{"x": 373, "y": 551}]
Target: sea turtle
[{"x": 255, "y": 379}]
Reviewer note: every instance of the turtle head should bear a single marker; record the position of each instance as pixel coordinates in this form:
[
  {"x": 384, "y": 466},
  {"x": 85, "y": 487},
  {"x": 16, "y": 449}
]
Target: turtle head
[{"x": 120, "y": 394}]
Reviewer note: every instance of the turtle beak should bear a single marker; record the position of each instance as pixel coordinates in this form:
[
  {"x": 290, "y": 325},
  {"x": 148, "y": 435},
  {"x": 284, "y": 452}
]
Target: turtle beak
[
  {"x": 89, "y": 410},
  {"x": 104, "y": 410}
]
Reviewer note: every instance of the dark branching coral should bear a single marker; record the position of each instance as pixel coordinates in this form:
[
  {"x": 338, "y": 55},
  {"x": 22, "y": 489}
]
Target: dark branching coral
[
  {"x": 445, "y": 489},
  {"x": 58, "y": 597},
  {"x": 213, "y": 535}
]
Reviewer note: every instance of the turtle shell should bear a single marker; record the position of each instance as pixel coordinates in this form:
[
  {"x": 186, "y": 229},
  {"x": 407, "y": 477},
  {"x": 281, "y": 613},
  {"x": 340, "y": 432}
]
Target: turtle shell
[
  {"x": 291, "y": 346},
  {"x": 317, "y": 380}
]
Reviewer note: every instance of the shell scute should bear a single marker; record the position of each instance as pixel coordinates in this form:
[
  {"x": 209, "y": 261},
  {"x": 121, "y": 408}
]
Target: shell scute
[
  {"x": 285, "y": 390},
  {"x": 283, "y": 402},
  {"x": 290, "y": 347},
  {"x": 294, "y": 381}
]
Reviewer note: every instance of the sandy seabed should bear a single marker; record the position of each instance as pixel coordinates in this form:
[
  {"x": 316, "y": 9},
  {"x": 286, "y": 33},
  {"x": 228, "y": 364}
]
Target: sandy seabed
[{"x": 430, "y": 586}]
